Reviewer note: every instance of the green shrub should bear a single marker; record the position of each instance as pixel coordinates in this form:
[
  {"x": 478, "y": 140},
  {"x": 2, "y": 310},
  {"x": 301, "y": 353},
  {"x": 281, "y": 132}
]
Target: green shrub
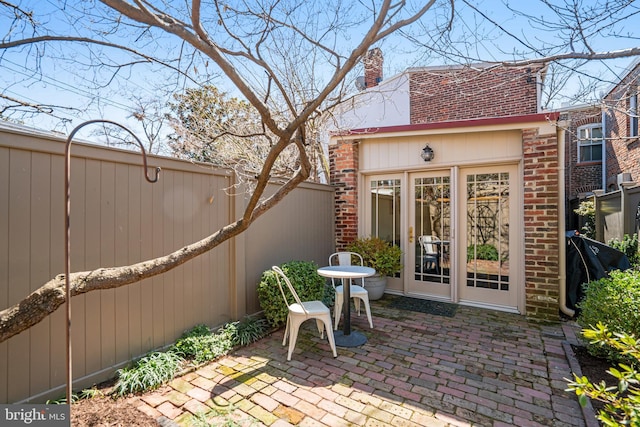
[
  {"x": 629, "y": 246},
  {"x": 148, "y": 373},
  {"x": 587, "y": 210},
  {"x": 612, "y": 301},
  {"x": 378, "y": 254},
  {"x": 622, "y": 403},
  {"x": 486, "y": 252},
  {"x": 200, "y": 345},
  {"x": 306, "y": 281}
]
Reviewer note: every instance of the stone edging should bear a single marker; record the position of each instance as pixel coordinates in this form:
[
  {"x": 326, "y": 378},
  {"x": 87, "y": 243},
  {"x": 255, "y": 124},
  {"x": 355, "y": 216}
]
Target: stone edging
[{"x": 588, "y": 413}]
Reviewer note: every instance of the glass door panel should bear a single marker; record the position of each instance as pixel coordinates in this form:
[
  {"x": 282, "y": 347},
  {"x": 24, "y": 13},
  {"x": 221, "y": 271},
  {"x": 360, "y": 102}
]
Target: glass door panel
[
  {"x": 430, "y": 235},
  {"x": 488, "y": 231},
  {"x": 385, "y": 209},
  {"x": 385, "y": 220},
  {"x": 489, "y": 237}
]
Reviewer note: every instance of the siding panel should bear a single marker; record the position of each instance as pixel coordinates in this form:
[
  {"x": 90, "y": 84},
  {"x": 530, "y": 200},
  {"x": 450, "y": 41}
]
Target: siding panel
[
  {"x": 18, "y": 376},
  {"x": 58, "y": 320},
  {"x": 39, "y": 259},
  {"x": 134, "y": 236},
  {"x": 107, "y": 258},
  {"x": 121, "y": 257},
  {"x": 4, "y": 261}
]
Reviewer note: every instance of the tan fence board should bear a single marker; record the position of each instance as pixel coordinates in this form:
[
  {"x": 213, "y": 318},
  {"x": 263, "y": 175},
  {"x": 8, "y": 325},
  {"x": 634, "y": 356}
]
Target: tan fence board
[{"x": 118, "y": 218}]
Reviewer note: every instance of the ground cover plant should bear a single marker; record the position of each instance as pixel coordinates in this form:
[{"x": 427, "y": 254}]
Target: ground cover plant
[
  {"x": 148, "y": 373},
  {"x": 195, "y": 347}
]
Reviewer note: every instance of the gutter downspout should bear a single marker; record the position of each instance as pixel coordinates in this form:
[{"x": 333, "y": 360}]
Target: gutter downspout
[
  {"x": 539, "y": 84},
  {"x": 562, "y": 243},
  {"x": 604, "y": 148}
]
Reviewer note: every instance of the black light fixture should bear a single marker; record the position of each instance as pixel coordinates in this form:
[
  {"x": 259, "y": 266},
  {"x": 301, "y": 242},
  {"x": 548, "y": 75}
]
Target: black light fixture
[{"x": 427, "y": 153}]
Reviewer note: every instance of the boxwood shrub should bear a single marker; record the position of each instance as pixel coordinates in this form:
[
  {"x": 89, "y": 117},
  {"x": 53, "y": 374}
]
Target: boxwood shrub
[
  {"x": 612, "y": 301},
  {"x": 305, "y": 279}
]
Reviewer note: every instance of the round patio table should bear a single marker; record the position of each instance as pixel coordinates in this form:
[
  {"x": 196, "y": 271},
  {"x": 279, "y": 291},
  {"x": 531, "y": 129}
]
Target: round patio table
[{"x": 347, "y": 337}]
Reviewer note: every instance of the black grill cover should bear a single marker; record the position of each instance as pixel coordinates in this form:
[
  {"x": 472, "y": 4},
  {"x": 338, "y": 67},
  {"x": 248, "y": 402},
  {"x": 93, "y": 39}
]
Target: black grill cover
[{"x": 588, "y": 260}]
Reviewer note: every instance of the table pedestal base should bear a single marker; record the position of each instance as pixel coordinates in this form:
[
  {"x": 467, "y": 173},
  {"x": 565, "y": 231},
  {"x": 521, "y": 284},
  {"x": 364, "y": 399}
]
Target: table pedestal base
[{"x": 354, "y": 339}]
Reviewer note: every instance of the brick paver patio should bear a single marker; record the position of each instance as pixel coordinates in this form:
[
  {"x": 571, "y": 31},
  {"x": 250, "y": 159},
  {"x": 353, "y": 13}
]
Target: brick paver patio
[{"x": 479, "y": 367}]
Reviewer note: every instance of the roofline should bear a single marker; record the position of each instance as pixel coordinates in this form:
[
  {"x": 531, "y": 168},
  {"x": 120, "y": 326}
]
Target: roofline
[
  {"x": 473, "y": 66},
  {"x": 624, "y": 74},
  {"x": 577, "y": 107},
  {"x": 491, "y": 121}
]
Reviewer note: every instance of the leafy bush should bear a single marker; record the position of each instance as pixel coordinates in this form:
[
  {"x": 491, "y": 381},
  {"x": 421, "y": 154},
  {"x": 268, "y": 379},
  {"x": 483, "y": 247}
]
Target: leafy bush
[
  {"x": 486, "y": 252},
  {"x": 148, "y": 373},
  {"x": 612, "y": 301},
  {"x": 622, "y": 403},
  {"x": 306, "y": 281},
  {"x": 200, "y": 345},
  {"x": 629, "y": 246},
  {"x": 587, "y": 210},
  {"x": 378, "y": 254}
]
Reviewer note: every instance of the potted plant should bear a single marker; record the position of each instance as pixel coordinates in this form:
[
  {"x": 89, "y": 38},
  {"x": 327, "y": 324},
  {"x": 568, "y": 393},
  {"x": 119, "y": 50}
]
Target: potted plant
[{"x": 380, "y": 255}]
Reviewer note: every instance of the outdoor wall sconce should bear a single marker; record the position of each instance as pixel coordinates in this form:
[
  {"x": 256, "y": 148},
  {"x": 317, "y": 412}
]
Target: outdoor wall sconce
[{"x": 427, "y": 153}]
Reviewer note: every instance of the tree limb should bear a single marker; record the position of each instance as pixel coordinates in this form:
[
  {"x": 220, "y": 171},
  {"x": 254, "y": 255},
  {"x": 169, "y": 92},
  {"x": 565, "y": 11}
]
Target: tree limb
[{"x": 46, "y": 299}]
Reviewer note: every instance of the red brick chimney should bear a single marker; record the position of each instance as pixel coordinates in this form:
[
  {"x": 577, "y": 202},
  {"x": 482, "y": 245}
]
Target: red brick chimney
[{"x": 373, "y": 67}]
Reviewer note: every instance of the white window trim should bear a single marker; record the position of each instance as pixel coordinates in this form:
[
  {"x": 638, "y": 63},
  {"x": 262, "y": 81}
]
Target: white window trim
[
  {"x": 587, "y": 142},
  {"x": 633, "y": 114}
]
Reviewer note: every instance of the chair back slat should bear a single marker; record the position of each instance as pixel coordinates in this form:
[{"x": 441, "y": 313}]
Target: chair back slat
[
  {"x": 428, "y": 245},
  {"x": 279, "y": 274},
  {"x": 344, "y": 258}
]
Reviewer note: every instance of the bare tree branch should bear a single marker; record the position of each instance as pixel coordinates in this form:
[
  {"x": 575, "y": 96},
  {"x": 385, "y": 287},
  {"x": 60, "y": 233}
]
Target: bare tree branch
[
  {"x": 285, "y": 101},
  {"x": 42, "y": 39}
]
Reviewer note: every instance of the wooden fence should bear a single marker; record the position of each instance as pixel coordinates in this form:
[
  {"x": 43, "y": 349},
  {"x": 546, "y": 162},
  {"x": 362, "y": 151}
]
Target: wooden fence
[
  {"x": 117, "y": 218},
  {"x": 617, "y": 213}
]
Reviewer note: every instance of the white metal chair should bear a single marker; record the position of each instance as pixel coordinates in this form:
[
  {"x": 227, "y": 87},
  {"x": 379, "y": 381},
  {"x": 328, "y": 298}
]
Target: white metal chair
[
  {"x": 357, "y": 292},
  {"x": 430, "y": 252},
  {"x": 300, "y": 311}
]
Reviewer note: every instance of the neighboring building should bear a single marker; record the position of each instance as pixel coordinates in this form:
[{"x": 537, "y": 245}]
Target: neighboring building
[
  {"x": 602, "y": 150},
  {"x": 466, "y": 155},
  {"x": 621, "y": 129},
  {"x": 584, "y": 151}
]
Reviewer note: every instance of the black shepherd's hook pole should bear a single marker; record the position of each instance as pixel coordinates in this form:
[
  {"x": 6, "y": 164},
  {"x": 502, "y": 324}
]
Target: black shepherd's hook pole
[{"x": 67, "y": 244}]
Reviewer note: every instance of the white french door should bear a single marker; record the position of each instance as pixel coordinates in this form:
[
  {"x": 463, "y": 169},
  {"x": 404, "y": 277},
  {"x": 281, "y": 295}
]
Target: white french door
[
  {"x": 458, "y": 229},
  {"x": 430, "y": 241},
  {"x": 489, "y": 239}
]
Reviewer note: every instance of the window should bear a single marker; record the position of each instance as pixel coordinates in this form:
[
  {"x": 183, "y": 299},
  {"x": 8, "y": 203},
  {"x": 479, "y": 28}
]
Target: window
[
  {"x": 590, "y": 143},
  {"x": 633, "y": 114}
]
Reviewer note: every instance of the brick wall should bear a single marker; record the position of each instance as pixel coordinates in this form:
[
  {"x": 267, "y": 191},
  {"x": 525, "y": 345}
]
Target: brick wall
[
  {"x": 623, "y": 153},
  {"x": 343, "y": 164},
  {"x": 541, "y": 186},
  {"x": 459, "y": 94},
  {"x": 580, "y": 177}
]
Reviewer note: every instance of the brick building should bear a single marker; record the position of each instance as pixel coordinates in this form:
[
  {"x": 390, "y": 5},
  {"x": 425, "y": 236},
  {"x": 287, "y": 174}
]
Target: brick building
[
  {"x": 621, "y": 129},
  {"x": 465, "y": 156},
  {"x": 602, "y": 143}
]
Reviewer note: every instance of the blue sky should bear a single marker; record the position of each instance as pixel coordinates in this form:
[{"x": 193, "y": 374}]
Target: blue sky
[{"x": 70, "y": 86}]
